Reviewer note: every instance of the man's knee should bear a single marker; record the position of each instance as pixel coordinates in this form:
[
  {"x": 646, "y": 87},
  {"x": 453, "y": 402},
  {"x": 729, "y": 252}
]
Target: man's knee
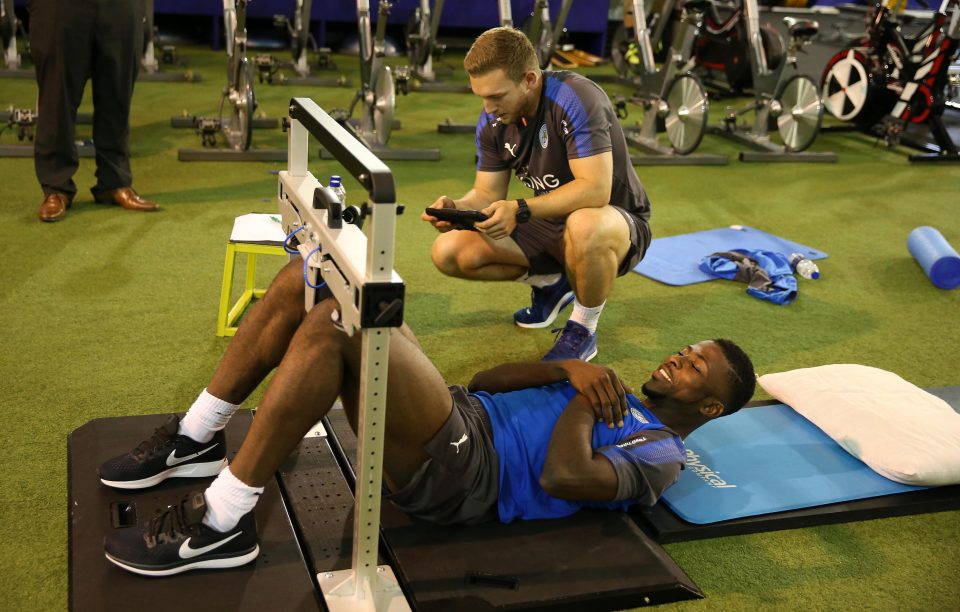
[
  {"x": 588, "y": 230},
  {"x": 452, "y": 256},
  {"x": 319, "y": 324}
]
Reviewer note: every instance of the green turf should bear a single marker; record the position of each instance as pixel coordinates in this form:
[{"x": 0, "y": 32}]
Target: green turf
[{"x": 113, "y": 313}]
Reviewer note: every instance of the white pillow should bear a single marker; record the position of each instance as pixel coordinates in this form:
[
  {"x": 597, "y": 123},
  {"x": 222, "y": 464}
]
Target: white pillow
[{"x": 895, "y": 427}]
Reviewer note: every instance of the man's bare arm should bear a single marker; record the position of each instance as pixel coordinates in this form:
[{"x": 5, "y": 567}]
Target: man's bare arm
[
  {"x": 591, "y": 187},
  {"x": 488, "y": 187},
  {"x": 599, "y": 385},
  {"x": 572, "y": 469}
]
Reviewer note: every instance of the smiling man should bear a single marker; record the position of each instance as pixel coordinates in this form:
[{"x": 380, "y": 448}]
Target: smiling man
[
  {"x": 587, "y": 220},
  {"x": 529, "y": 440}
]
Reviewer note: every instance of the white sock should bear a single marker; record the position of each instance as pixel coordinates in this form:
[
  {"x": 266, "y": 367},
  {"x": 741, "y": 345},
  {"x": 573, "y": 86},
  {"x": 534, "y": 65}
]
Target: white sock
[
  {"x": 588, "y": 317},
  {"x": 539, "y": 280},
  {"x": 207, "y": 416},
  {"x": 228, "y": 499}
]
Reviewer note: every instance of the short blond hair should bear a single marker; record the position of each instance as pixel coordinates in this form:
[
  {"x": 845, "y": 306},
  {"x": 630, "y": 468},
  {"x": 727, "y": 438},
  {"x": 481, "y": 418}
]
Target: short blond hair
[{"x": 505, "y": 48}]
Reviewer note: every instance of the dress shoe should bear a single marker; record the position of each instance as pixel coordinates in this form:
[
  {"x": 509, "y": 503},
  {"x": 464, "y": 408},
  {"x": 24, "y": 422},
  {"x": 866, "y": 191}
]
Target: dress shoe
[
  {"x": 126, "y": 197},
  {"x": 54, "y": 207}
]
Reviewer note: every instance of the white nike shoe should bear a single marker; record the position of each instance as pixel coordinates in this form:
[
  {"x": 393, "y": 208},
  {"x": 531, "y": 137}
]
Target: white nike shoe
[
  {"x": 166, "y": 454},
  {"x": 176, "y": 540}
]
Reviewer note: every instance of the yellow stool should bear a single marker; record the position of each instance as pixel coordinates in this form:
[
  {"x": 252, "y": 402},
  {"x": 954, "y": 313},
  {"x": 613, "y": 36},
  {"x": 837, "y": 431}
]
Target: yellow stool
[{"x": 228, "y": 316}]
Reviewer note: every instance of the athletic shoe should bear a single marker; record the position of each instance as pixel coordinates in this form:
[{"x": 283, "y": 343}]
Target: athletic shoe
[
  {"x": 546, "y": 303},
  {"x": 165, "y": 454},
  {"x": 573, "y": 342},
  {"x": 175, "y": 540}
]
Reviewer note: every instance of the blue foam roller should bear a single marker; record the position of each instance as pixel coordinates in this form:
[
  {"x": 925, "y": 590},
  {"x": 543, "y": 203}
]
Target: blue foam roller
[{"x": 938, "y": 259}]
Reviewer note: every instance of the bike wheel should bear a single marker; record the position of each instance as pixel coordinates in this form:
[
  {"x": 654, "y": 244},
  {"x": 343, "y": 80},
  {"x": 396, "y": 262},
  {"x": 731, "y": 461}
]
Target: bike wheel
[
  {"x": 379, "y": 104},
  {"x": 845, "y": 84},
  {"x": 240, "y": 104},
  {"x": 686, "y": 120},
  {"x": 802, "y": 111},
  {"x": 417, "y": 36}
]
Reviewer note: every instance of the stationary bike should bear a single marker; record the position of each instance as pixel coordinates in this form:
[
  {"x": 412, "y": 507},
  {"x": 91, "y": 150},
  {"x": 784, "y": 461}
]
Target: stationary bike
[
  {"x": 377, "y": 96},
  {"x": 238, "y": 103},
  {"x": 886, "y": 83},
  {"x": 781, "y": 94},
  {"x": 423, "y": 48},
  {"x": 625, "y": 51},
  {"x": 149, "y": 63},
  {"x": 670, "y": 95},
  {"x": 9, "y": 26},
  {"x": 302, "y": 43},
  {"x": 545, "y": 34}
]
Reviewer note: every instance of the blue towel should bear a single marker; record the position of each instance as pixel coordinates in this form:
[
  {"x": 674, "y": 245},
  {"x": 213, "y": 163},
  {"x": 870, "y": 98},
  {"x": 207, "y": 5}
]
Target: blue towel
[{"x": 768, "y": 274}]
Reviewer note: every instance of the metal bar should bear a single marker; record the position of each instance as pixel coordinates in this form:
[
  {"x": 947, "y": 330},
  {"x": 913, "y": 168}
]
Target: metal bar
[{"x": 362, "y": 164}]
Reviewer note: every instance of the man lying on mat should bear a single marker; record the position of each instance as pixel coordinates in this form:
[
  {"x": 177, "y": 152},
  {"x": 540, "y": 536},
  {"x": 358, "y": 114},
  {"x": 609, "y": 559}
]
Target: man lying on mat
[{"x": 526, "y": 441}]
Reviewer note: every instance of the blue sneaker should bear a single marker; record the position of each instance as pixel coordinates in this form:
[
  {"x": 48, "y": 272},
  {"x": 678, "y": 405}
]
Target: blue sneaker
[
  {"x": 574, "y": 341},
  {"x": 546, "y": 303}
]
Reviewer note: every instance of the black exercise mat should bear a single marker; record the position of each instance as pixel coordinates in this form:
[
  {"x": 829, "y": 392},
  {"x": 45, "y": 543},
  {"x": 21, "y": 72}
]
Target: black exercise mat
[
  {"x": 595, "y": 560},
  {"x": 277, "y": 580}
]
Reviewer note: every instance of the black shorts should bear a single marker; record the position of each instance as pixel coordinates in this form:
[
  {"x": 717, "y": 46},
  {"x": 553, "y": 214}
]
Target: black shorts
[
  {"x": 460, "y": 483},
  {"x": 541, "y": 241}
]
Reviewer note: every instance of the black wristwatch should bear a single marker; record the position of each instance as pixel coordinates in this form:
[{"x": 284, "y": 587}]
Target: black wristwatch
[{"x": 523, "y": 211}]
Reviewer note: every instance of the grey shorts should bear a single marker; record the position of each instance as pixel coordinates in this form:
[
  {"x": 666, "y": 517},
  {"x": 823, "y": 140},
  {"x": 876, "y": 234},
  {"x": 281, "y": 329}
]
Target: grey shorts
[
  {"x": 541, "y": 240},
  {"x": 460, "y": 483}
]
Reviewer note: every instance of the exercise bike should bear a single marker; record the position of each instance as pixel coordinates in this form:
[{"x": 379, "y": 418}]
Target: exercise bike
[
  {"x": 888, "y": 83},
  {"x": 150, "y": 64},
  {"x": 377, "y": 96},
  {"x": 238, "y": 103},
  {"x": 423, "y": 48},
  {"x": 625, "y": 52},
  {"x": 302, "y": 43},
  {"x": 545, "y": 34},
  {"x": 9, "y": 27},
  {"x": 673, "y": 98},
  {"x": 781, "y": 94}
]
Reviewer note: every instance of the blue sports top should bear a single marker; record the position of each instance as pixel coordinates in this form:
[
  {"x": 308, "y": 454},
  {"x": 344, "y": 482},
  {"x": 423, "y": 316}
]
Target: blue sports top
[
  {"x": 574, "y": 119},
  {"x": 523, "y": 422}
]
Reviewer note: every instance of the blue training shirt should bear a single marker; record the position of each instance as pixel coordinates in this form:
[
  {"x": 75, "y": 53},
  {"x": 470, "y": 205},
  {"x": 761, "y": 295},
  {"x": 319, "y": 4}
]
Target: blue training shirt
[
  {"x": 523, "y": 423},
  {"x": 574, "y": 119}
]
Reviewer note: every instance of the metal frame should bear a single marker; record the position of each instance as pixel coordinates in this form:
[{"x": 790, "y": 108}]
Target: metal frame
[{"x": 359, "y": 273}]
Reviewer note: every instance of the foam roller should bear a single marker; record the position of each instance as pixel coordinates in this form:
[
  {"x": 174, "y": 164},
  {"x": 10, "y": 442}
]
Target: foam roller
[{"x": 938, "y": 259}]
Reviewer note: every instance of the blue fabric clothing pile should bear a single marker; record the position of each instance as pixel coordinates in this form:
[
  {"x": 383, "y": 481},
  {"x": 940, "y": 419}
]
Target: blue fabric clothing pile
[{"x": 768, "y": 274}]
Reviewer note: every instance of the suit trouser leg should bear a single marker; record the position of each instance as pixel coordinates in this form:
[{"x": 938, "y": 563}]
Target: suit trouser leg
[
  {"x": 117, "y": 47},
  {"x": 60, "y": 36}
]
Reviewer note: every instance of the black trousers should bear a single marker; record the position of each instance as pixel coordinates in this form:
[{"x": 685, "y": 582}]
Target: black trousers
[{"x": 73, "y": 41}]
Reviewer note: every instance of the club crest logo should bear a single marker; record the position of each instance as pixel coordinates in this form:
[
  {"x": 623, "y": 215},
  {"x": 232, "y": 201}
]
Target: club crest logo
[{"x": 543, "y": 136}]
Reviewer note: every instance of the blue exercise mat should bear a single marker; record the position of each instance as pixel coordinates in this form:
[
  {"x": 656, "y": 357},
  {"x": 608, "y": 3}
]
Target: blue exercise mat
[
  {"x": 767, "y": 459},
  {"x": 675, "y": 260}
]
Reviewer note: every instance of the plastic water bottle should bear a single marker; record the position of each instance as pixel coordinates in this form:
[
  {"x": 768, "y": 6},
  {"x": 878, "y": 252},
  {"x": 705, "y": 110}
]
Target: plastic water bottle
[
  {"x": 338, "y": 188},
  {"x": 804, "y": 267}
]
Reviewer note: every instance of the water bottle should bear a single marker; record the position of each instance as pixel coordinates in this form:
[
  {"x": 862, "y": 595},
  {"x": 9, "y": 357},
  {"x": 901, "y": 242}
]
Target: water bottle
[
  {"x": 804, "y": 267},
  {"x": 338, "y": 188}
]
